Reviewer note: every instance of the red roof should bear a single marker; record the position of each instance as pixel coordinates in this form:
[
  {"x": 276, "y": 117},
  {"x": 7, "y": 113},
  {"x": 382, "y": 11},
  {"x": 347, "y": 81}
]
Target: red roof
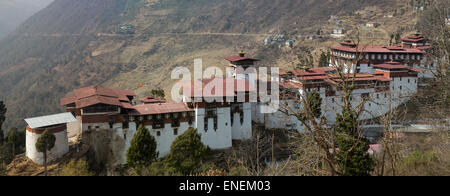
[
  {"x": 92, "y": 95},
  {"x": 413, "y": 38},
  {"x": 164, "y": 108},
  {"x": 312, "y": 77},
  {"x": 357, "y": 77},
  {"x": 290, "y": 85},
  {"x": 312, "y": 71},
  {"x": 423, "y": 47},
  {"x": 85, "y": 102},
  {"x": 150, "y": 99},
  {"x": 396, "y": 65},
  {"x": 391, "y": 65},
  {"x": 239, "y": 85},
  {"x": 377, "y": 49}
]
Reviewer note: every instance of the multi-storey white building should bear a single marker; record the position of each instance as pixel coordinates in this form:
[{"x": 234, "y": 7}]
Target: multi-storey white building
[
  {"x": 220, "y": 116},
  {"x": 410, "y": 52}
]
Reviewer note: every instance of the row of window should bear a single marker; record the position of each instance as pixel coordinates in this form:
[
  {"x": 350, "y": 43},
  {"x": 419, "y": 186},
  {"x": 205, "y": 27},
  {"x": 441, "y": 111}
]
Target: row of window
[
  {"x": 363, "y": 96},
  {"x": 392, "y": 57},
  {"x": 161, "y": 116}
]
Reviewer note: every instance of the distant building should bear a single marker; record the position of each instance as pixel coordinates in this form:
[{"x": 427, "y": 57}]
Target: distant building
[
  {"x": 290, "y": 43},
  {"x": 372, "y": 25},
  {"x": 415, "y": 41},
  {"x": 125, "y": 29},
  {"x": 338, "y": 32},
  {"x": 279, "y": 38},
  {"x": 376, "y": 54},
  {"x": 268, "y": 40}
]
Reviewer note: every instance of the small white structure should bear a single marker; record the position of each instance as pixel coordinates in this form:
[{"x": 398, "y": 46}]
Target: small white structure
[
  {"x": 338, "y": 32},
  {"x": 268, "y": 40},
  {"x": 56, "y": 124},
  {"x": 372, "y": 25}
]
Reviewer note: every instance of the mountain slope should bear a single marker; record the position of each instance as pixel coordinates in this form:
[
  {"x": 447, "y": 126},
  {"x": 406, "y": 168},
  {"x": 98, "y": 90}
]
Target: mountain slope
[
  {"x": 72, "y": 44},
  {"x": 14, "y": 12}
]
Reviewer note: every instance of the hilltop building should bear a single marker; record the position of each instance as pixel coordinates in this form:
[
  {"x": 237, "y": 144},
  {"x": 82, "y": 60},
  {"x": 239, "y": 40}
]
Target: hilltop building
[
  {"x": 338, "y": 32},
  {"x": 386, "y": 77},
  {"x": 372, "y": 25},
  {"x": 366, "y": 56}
]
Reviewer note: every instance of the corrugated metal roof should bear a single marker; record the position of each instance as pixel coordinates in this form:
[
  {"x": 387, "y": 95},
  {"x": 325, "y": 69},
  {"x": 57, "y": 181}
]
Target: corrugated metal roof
[{"x": 55, "y": 119}]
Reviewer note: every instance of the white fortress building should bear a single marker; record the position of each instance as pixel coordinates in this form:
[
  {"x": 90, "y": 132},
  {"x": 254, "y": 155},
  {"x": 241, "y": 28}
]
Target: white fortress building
[{"x": 384, "y": 79}]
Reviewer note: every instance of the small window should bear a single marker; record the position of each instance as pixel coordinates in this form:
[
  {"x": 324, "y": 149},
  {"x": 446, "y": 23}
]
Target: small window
[
  {"x": 332, "y": 100},
  {"x": 175, "y": 131},
  {"x": 215, "y": 124},
  {"x": 400, "y": 87},
  {"x": 158, "y": 133},
  {"x": 408, "y": 80}
]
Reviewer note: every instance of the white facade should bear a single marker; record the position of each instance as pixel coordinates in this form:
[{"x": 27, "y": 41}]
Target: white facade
[{"x": 61, "y": 147}]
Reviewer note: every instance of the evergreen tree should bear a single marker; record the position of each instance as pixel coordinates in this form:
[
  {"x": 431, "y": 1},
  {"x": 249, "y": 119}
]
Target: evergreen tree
[
  {"x": 158, "y": 93},
  {"x": 315, "y": 103},
  {"x": 352, "y": 155},
  {"x": 142, "y": 152},
  {"x": 45, "y": 143},
  {"x": 2, "y": 120},
  {"x": 391, "y": 40},
  {"x": 324, "y": 60},
  {"x": 187, "y": 152},
  {"x": 14, "y": 139},
  {"x": 6, "y": 155},
  {"x": 397, "y": 38}
]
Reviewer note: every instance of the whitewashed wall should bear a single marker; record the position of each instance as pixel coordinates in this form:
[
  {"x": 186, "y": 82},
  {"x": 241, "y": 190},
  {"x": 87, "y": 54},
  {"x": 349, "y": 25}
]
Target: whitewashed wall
[{"x": 61, "y": 147}]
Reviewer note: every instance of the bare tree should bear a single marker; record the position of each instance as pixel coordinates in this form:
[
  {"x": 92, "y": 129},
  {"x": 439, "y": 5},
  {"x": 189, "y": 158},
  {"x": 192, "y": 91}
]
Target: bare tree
[{"x": 318, "y": 127}]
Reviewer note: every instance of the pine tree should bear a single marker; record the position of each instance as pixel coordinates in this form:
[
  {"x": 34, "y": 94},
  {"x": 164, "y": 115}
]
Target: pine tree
[
  {"x": 352, "y": 154},
  {"x": 142, "y": 152},
  {"x": 187, "y": 152},
  {"x": 45, "y": 143}
]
